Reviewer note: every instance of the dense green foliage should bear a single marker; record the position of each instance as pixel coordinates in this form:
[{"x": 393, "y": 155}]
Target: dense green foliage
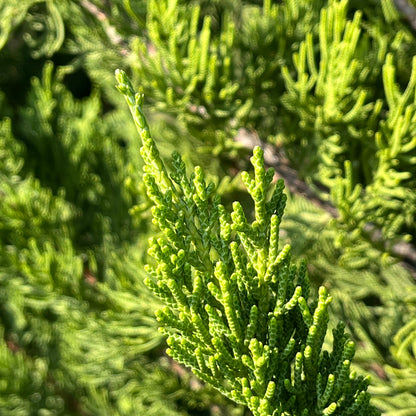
[
  {"x": 237, "y": 309},
  {"x": 327, "y": 87}
]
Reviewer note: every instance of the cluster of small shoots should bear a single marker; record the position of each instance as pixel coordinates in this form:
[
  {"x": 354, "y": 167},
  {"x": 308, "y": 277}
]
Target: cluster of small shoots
[
  {"x": 355, "y": 138},
  {"x": 189, "y": 70},
  {"x": 238, "y": 311}
]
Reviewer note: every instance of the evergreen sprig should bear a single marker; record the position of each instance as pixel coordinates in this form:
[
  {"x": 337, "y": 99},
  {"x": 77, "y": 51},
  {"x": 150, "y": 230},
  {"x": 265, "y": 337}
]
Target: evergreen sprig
[{"x": 238, "y": 310}]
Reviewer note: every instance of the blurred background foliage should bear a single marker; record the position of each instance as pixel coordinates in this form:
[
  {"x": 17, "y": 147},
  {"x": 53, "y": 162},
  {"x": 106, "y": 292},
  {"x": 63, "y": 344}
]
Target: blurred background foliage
[{"x": 327, "y": 87}]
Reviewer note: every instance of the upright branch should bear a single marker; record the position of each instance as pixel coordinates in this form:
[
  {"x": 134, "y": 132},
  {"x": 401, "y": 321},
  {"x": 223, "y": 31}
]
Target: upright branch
[{"x": 237, "y": 310}]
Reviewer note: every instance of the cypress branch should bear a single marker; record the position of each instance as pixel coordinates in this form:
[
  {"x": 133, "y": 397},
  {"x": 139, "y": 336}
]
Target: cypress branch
[{"x": 266, "y": 348}]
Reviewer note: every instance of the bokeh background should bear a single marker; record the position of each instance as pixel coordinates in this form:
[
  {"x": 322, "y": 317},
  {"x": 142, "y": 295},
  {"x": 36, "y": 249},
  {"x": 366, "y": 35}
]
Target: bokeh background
[{"x": 328, "y": 88}]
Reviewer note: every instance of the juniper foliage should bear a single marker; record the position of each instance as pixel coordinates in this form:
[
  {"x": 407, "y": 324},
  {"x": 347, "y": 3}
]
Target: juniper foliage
[
  {"x": 238, "y": 311},
  {"x": 73, "y": 214},
  {"x": 77, "y": 322}
]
